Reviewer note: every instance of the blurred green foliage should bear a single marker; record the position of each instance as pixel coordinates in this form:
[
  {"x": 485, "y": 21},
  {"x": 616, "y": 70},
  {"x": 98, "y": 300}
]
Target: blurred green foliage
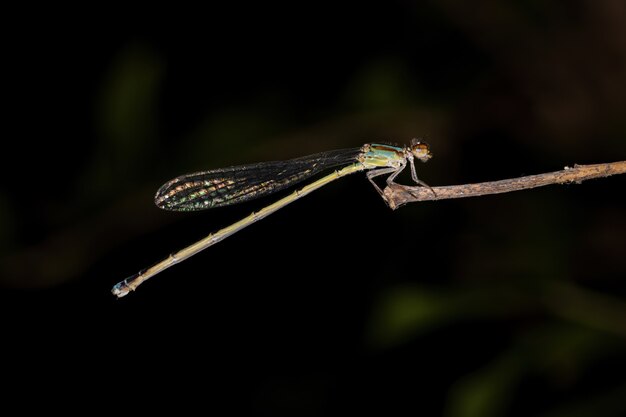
[{"x": 504, "y": 305}]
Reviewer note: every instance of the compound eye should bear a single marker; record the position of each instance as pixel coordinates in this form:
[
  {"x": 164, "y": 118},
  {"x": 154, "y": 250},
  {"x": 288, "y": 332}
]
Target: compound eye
[{"x": 420, "y": 150}]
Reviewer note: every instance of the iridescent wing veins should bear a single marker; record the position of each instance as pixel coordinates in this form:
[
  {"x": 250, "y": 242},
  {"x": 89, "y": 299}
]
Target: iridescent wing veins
[{"x": 232, "y": 185}]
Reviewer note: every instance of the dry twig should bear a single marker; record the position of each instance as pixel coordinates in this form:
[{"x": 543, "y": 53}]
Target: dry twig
[{"x": 398, "y": 195}]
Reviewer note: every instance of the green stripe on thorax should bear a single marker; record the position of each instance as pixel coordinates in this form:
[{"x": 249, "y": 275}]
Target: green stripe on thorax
[{"x": 378, "y": 155}]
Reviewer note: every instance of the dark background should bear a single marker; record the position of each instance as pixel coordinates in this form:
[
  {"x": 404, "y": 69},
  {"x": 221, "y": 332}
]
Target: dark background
[{"x": 503, "y": 305}]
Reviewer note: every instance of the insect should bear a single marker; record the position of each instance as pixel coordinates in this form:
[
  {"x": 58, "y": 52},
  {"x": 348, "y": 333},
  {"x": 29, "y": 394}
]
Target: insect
[{"x": 232, "y": 185}]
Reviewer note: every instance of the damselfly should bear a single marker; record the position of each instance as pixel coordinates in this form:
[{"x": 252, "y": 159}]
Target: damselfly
[{"x": 226, "y": 186}]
